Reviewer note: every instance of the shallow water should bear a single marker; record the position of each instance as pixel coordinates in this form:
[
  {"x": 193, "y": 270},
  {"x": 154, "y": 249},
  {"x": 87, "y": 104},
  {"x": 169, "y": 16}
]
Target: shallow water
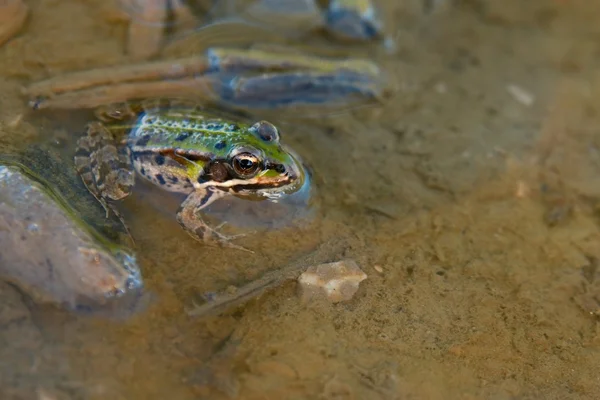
[{"x": 480, "y": 207}]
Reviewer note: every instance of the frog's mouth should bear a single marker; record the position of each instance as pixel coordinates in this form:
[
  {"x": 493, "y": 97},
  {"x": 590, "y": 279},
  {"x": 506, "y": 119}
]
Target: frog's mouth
[
  {"x": 264, "y": 186},
  {"x": 264, "y": 183}
]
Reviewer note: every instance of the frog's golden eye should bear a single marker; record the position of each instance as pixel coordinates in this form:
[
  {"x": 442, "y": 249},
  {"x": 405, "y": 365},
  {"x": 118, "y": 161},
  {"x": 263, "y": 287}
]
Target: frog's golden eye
[{"x": 245, "y": 164}]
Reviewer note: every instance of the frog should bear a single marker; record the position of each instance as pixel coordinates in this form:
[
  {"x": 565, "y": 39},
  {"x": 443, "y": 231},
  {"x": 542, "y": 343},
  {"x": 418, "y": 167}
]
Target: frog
[{"x": 185, "y": 149}]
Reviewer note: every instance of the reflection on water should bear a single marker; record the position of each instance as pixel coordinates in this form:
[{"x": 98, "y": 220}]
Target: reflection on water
[{"x": 439, "y": 193}]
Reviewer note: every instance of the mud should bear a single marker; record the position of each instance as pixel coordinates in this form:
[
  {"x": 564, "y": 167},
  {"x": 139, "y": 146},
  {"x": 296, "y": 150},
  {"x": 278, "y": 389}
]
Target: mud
[{"x": 479, "y": 204}]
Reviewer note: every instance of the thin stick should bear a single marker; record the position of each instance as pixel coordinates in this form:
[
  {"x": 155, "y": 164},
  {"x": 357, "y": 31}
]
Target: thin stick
[
  {"x": 170, "y": 69},
  {"x": 196, "y": 88}
]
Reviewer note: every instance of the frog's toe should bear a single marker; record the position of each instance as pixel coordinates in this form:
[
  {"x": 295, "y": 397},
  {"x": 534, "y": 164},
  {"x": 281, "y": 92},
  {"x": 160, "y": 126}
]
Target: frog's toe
[
  {"x": 231, "y": 237},
  {"x": 212, "y": 235},
  {"x": 235, "y": 246}
]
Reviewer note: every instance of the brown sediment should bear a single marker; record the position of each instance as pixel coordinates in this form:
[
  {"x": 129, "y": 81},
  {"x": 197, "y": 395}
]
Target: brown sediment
[
  {"x": 170, "y": 69},
  {"x": 12, "y": 17}
]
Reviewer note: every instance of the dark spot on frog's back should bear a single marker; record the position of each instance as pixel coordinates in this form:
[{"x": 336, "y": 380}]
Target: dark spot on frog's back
[
  {"x": 160, "y": 179},
  {"x": 182, "y": 136},
  {"x": 159, "y": 159},
  {"x": 220, "y": 145},
  {"x": 143, "y": 141}
]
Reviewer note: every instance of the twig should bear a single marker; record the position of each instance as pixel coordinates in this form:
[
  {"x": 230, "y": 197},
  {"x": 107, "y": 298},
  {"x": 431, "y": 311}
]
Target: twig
[
  {"x": 170, "y": 69},
  {"x": 195, "y": 88}
]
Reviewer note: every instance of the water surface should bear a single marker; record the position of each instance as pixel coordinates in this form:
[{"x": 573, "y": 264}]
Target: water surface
[{"x": 479, "y": 203}]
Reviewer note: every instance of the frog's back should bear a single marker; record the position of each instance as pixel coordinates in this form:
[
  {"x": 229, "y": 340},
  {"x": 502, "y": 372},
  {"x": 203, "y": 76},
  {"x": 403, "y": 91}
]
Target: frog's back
[
  {"x": 172, "y": 147},
  {"x": 184, "y": 129}
]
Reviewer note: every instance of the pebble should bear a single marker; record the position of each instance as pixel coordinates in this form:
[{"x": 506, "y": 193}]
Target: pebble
[
  {"x": 521, "y": 95},
  {"x": 337, "y": 281}
]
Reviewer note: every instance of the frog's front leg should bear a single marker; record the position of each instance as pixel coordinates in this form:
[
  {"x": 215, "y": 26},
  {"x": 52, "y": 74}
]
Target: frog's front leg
[{"x": 189, "y": 217}]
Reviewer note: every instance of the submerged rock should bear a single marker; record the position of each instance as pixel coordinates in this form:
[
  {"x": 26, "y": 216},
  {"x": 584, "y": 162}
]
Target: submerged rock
[
  {"x": 337, "y": 281},
  {"x": 49, "y": 245}
]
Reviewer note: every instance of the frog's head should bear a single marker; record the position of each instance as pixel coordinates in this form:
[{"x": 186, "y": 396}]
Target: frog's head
[{"x": 258, "y": 166}]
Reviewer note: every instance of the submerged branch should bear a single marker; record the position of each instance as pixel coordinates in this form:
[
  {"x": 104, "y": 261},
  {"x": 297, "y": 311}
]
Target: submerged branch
[
  {"x": 153, "y": 71},
  {"x": 198, "y": 89}
]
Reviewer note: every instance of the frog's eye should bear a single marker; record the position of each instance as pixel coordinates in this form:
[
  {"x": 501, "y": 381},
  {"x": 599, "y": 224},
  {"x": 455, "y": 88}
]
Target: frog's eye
[{"x": 245, "y": 164}]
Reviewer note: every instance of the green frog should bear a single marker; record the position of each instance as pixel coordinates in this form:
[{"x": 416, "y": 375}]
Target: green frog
[{"x": 182, "y": 149}]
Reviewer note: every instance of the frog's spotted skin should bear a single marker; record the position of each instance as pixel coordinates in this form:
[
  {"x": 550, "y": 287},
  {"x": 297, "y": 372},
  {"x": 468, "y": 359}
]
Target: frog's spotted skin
[
  {"x": 184, "y": 151},
  {"x": 103, "y": 167}
]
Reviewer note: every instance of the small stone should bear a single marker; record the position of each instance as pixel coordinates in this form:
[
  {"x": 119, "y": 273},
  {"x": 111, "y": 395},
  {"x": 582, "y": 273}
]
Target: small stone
[
  {"x": 275, "y": 368},
  {"x": 378, "y": 268},
  {"x": 337, "y": 281},
  {"x": 521, "y": 95},
  {"x": 441, "y": 88}
]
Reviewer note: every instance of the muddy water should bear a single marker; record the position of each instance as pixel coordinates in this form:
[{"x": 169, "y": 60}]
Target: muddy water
[{"x": 480, "y": 205}]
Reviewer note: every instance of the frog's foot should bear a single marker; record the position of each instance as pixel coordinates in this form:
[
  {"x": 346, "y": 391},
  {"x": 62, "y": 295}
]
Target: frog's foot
[
  {"x": 189, "y": 217},
  {"x": 110, "y": 208},
  {"x": 211, "y": 236},
  {"x": 104, "y": 168},
  {"x": 103, "y": 165}
]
